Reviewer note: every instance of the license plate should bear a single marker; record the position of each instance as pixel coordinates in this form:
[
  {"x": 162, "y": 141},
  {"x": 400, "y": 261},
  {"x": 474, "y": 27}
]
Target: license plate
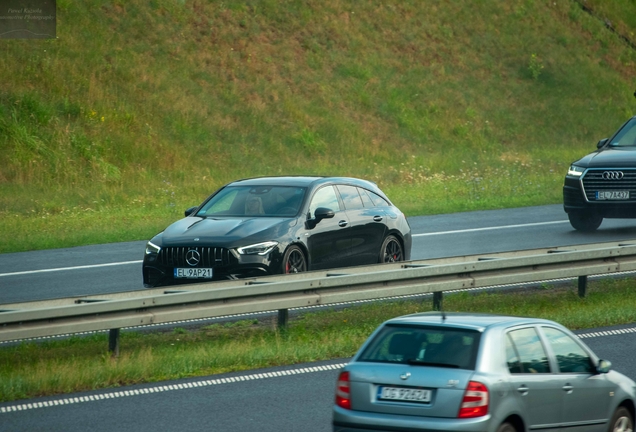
[
  {"x": 612, "y": 195},
  {"x": 404, "y": 394},
  {"x": 193, "y": 273}
]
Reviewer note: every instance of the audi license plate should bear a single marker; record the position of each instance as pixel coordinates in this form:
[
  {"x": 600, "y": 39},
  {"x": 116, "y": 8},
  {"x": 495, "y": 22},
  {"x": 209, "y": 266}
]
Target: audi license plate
[
  {"x": 612, "y": 195},
  {"x": 404, "y": 394},
  {"x": 193, "y": 273}
]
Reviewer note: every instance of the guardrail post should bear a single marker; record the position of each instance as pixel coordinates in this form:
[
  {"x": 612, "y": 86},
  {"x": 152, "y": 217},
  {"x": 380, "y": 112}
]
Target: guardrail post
[
  {"x": 582, "y": 285},
  {"x": 437, "y": 300},
  {"x": 283, "y": 316},
  {"x": 113, "y": 342}
]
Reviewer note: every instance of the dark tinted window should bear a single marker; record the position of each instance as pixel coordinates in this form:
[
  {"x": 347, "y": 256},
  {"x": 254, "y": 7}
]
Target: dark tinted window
[
  {"x": 531, "y": 353},
  {"x": 324, "y": 197},
  {"x": 437, "y": 346},
  {"x": 350, "y": 197},
  {"x": 378, "y": 201},
  {"x": 254, "y": 201},
  {"x": 366, "y": 199},
  {"x": 626, "y": 136},
  {"x": 569, "y": 354}
]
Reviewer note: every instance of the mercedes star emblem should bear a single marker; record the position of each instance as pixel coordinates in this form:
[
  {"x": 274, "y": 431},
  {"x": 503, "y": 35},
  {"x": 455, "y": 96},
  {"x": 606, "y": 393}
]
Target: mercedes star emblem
[{"x": 193, "y": 257}]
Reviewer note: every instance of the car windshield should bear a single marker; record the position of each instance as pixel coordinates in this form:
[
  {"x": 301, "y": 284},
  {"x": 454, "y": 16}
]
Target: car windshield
[
  {"x": 421, "y": 345},
  {"x": 626, "y": 136},
  {"x": 256, "y": 201}
]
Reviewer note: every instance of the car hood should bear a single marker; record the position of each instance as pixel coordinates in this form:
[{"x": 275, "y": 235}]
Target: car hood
[
  {"x": 224, "y": 232},
  {"x": 609, "y": 158}
]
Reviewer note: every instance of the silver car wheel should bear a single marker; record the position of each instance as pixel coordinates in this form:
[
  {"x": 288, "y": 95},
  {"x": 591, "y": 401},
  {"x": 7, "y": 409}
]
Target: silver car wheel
[{"x": 622, "y": 421}]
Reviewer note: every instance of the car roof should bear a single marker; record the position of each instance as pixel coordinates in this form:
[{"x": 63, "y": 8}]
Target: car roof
[
  {"x": 302, "y": 181},
  {"x": 474, "y": 321}
]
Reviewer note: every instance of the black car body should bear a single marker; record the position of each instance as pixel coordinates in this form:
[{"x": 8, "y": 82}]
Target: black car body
[
  {"x": 275, "y": 225},
  {"x": 603, "y": 183}
]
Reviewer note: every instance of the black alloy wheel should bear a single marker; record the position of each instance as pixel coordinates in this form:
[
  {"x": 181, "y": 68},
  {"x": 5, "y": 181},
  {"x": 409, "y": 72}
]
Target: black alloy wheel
[
  {"x": 294, "y": 260},
  {"x": 391, "y": 250},
  {"x": 585, "y": 222}
]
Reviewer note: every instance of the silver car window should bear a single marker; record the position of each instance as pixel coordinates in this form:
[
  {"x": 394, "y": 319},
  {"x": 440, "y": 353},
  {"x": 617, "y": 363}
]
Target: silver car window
[
  {"x": 532, "y": 355},
  {"x": 570, "y": 356}
]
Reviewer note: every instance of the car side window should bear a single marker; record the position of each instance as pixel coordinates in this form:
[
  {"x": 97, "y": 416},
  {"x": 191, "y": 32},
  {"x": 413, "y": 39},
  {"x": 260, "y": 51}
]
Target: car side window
[
  {"x": 366, "y": 199},
  {"x": 378, "y": 201},
  {"x": 350, "y": 197},
  {"x": 325, "y": 197},
  {"x": 512, "y": 358},
  {"x": 532, "y": 355},
  {"x": 570, "y": 356}
]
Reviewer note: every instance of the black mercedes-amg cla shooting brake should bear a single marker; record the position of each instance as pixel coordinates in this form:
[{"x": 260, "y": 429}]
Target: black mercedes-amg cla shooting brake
[{"x": 276, "y": 225}]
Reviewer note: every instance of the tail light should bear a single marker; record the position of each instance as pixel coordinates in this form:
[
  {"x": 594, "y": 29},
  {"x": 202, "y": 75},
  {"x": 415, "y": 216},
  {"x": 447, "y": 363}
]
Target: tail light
[
  {"x": 343, "y": 394},
  {"x": 475, "y": 402}
]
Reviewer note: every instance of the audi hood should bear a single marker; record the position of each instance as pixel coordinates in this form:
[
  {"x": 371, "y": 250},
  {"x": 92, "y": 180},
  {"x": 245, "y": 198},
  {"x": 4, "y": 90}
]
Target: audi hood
[{"x": 609, "y": 158}]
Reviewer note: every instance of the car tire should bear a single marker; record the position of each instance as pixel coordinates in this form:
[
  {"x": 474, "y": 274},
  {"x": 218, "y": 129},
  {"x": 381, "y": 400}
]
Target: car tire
[
  {"x": 621, "y": 421},
  {"x": 506, "y": 427},
  {"x": 586, "y": 222},
  {"x": 391, "y": 250},
  {"x": 294, "y": 261}
]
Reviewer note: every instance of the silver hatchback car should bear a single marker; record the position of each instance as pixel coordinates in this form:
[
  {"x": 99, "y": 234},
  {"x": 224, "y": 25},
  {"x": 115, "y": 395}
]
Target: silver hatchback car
[{"x": 457, "y": 372}]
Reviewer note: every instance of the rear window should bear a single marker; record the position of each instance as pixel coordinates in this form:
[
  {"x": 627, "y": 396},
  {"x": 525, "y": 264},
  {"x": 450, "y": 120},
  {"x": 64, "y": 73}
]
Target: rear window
[{"x": 421, "y": 345}]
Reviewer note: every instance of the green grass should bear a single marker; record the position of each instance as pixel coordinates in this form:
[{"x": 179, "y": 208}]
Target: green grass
[
  {"x": 83, "y": 363},
  {"x": 110, "y": 131}
]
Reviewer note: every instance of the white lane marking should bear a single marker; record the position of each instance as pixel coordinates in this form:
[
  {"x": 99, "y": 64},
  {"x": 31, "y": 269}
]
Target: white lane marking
[
  {"x": 169, "y": 387},
  {"x": 488, "y": 228},
  {"x": 230, "y": 380},
  {"x": 70, "y": 268},
  {"x": 414, "y": 235}
]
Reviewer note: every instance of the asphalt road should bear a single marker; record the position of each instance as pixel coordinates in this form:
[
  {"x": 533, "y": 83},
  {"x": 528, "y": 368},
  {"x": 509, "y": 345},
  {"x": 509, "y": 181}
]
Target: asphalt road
[
  {"x": 294, "y": 398},
  {"x": 291, "y": 398},
  {"x": 99, "y": 269}
]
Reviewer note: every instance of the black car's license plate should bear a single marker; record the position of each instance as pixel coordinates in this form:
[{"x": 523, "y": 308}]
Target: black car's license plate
[
  {"x": 193, "y": 273},
  {"x": 612, "y": 195}
]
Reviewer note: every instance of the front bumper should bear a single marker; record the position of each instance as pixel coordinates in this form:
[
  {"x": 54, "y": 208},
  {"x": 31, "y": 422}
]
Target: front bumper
[
  {"x": 576, "y": 201},
  {"x": 158, "y": 269}
]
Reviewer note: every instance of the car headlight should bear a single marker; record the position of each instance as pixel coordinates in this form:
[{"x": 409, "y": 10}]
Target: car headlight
[
  {"x": 575, "y": 171},
  {"x": 152, "y": 248},
  {"x": 258, "y": 248}
]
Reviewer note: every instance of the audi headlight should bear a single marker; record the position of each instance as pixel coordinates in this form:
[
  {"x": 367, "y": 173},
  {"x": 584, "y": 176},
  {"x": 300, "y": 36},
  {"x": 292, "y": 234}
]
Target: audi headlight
[
  {"x": 152, "y": 248},
  {"x": 258, "y": 248},
  {"x": 576, "y": 171}
]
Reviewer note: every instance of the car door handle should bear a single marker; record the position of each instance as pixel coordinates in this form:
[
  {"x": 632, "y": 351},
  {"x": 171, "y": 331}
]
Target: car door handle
[
  {"x": 343, "y": 223},
  {"x": 377, "y": 218},
  {"x": 568, "y": 388},
  {"x": 523, "y": 390}
]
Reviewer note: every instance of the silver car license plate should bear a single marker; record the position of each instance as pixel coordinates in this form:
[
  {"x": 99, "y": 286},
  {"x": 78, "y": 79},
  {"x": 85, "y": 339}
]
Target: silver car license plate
[
  {"x": 193, "y": 273},
  {"x": 612, "y": 195},
  {"x": 404, "y": 394}
]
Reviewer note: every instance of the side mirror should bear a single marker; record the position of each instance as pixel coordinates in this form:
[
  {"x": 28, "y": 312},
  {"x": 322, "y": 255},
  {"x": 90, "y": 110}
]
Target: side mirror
[
  {"x": 603, "y": 366},
  {"x": 189, "y": 211},
  {"x": 320, "y": 214},
  {"x": 601, "y": 143}
]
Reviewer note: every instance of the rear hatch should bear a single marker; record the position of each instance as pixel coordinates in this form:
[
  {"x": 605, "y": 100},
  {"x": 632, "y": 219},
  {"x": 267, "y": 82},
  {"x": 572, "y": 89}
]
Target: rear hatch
[
  {"x": 420, "y": 370},
  {"x": 407, "y": 389}
]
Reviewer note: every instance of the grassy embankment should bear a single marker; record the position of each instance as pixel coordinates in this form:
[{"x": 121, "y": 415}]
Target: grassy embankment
[
  {"x": 108, "y": 132},
  {"x": 139, "y": 110}
]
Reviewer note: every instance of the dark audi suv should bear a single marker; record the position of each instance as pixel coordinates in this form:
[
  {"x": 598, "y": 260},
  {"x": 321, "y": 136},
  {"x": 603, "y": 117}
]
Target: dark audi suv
[
  {"x": 603, "y": 183},
  {"x": 276, "y": 225}
]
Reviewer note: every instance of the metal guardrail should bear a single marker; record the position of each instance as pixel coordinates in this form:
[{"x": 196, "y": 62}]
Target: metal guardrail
[{"x": 214, "y": 299}]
